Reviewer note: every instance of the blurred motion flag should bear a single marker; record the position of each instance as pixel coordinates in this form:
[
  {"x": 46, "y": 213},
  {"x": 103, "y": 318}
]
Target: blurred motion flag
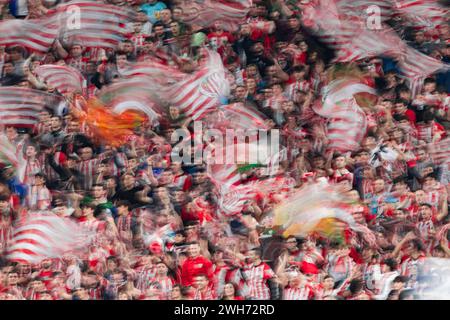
[{"x": 45, "y": 235}]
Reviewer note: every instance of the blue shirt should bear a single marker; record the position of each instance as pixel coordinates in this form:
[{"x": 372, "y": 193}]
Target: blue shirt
[{"x": 152, "y": 9}]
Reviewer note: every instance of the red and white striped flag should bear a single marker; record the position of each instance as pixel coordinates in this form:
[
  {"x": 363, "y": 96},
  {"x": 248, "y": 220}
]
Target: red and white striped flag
[
  {"x": 36, "y": 35},
  {"x": 237, "y": 116},
  {"x": 160, "y": 74},
  {"x": 416, "y": 66},
  {"x": 45, "y": 235},
  {"x": 224, "y": 176},
  {"x": 359, "y": 8},
  {"x": 231, "y": 13},
  {"x": 100, "y": 25},
  {"x": 65, "y": 79},
  {"x": 233, "y": 201},
  {"x": 347, "y": 121},
  {"x": 343, "y": 26},
  {"x": 426, "y": 14},
  {"x": 20, "y": 107},
  {"x": 202, "y": 92}
]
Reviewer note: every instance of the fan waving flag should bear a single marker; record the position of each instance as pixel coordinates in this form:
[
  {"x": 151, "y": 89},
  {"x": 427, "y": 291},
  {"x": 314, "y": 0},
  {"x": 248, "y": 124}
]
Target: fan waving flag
[
  {"x": 65, "y": 79},
  {"x": 237, "y": 116},
  {"x": 426, "y": 14},
  {"x": 203, "y": 91},
  {"x": 36, "y": 35},
  {"x": 99, "y": 25},
  {"x": 131, "y": 95},
  {"x": 318, "y": 208},
  {"x": 347, "y": 121},
  {"x": 231, "y": 13},
  {"x": 45, "y": 235},
  {"x": 20, "y": 107},
  {"x": 416, "y": 66}
]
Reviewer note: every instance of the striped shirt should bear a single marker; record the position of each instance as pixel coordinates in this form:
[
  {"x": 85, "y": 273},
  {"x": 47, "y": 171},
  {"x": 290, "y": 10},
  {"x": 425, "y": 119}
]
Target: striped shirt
[
  {"x": 31, "y": 168},
  {"x": 303, "y": 293},
  {"x": 256, "y": 278},
  {"x": 39, "y": 198},
  {"x": 207, "y": 294},
  {"x": 88, "y": 169},
  {"x": 144, "y": 278},
  {"x": 166, "y": 284},
  {"x": 299, "y": 85}
]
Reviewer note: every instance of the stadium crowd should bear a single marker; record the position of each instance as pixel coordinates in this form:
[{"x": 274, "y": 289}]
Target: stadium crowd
[{"x": 152, "y": 215}]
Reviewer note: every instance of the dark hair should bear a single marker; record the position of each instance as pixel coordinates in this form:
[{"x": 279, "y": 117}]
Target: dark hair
[
  {"x": 328, "y": 277},
  {"x": 392, "y": 293},
  {"x": 257, "y": 251},
  {"x": 97, "y": 185},
  {"x": 429, "y": 80},
  {"x": 406, "y": 294},
  {"x": 123, "y": 203},
  {"x": 418, "y": 244},
  {"x": 401, "y": 279},
  {"x": 426, "y": 205},
  {"x": 402, "y": 101},
  {"x": 120, "y": 53},
  {"x": 150, "y": 39},
  {"x": 391, "y": 263},
  {"x": 86, "y": 204},
  {"x": 355, "y": 286},
  {"x": 299, "y": 69}
]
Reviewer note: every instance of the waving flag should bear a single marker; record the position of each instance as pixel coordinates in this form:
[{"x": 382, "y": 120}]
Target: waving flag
[
  {"x": 203, "y": 91},
  {"x": 131, "y": 94},
  {"x": 99, "y": 25},
  {"x": 347, "y": 121},
  {"x": 236, "y": 116},
  {"x": 20, "y": 107},
  {"x": 65, "y": 79},
  {"x": 416, "y": 66},
  {"x": 205, "y": 12},
  {"x": 342, "y": 25},
  {"x": 233, "y": 201},
  {"x": 115, "y": 129},
  {"x": 36, "y": 35},
  {"x": 426, "y": 14},
  {"x": 161, "y": 75},
  {"x": 45, "y": 235},
  {"x": 317, "y": 208}
]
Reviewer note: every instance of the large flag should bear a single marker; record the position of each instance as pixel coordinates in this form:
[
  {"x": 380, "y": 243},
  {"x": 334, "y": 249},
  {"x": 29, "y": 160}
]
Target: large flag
[
  {"x": 92, "y": 23},
  {"x": 20, "y": 107},
  {"x": 427, "y": 14},
  {"x": 347, "y": 121},
  {"x": 231, "y": 13},
  {"x": 203, "y": 91},
  {"x": 36, "y": 35},
  {"x": 45, "y": 235},
  {"x": 318, "y": 208},
  {"x": 416, "y": 66},
  {"x": 237, "y": 116},
  {"x": 65, "y": 79}
]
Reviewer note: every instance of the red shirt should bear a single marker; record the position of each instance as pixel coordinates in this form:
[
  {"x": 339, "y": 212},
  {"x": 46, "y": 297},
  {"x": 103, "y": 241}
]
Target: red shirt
[{"x": 193, "y": 267}]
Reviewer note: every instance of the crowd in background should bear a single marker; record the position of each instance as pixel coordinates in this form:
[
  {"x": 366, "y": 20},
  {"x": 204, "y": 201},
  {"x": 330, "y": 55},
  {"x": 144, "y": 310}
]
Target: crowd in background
[{"x": 121, "y": 193}]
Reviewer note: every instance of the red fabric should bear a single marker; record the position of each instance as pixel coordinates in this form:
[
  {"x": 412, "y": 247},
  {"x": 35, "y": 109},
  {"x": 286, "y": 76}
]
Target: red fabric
[{"x": 193, "y": 267}]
